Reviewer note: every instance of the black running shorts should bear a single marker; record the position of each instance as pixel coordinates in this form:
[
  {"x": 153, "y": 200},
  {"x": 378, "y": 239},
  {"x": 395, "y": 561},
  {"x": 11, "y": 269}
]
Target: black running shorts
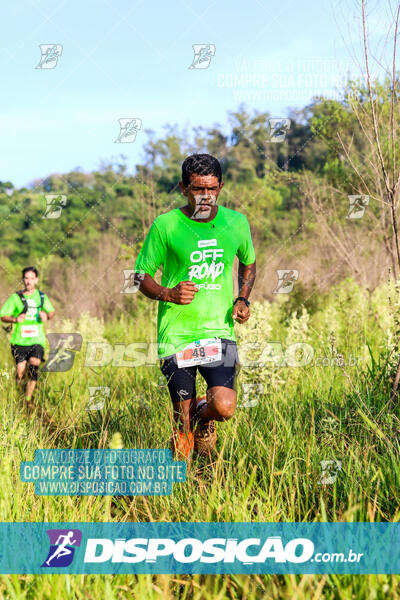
[
  {"x": 21, "y": 353},
  {"x": 182, "y": 381}
]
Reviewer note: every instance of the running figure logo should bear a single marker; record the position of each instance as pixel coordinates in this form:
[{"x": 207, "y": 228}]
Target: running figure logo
[
  {"x": 54, "y": 205},
  {"x": 286, "y": 280},
  {"x": 278, "y": 129},
  {"x": 357, "y": 206},
  {"x": 49, "y": 55},
  {"x": 62, "y": 351},
  {"x": 62, "y": 547},
  {"x": 98, "y": 396},
  {"x": 128, "y": 130},
  {"x": 132, "y": 281},
  {"x": 203, "y": 206},
  {"x": 202, "y": 55}
]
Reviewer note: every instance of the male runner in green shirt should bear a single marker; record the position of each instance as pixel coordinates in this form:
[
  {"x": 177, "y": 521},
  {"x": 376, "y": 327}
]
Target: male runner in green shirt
[
  {"x": 197, "y": 244},
  {"x": 28, "y": 337}
]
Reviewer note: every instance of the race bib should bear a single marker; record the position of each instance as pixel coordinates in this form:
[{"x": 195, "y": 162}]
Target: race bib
[
  {"x": 29, "y": 331},
  {"x": 199, "y": 352}
]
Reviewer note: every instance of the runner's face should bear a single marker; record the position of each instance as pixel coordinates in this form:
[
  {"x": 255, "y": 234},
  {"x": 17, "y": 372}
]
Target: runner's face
[
  {"x": 202, "y": 194},
  {"x": 30, "y": 280}
]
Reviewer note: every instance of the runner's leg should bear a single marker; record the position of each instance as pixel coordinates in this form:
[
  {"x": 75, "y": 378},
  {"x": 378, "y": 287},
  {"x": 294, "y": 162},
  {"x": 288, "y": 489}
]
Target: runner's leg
[
  {"x": 32, "y": 376},
  {"x": 221, "y": 404},
  {"x": 19, "y": 355},
  {"x": 36, "y": 354},
  {"x": 222, "y": 383},
  {"x": 182, "y": 389},
  {"x": 182, "y": 413},
  {"x": 20, "y": 372}
]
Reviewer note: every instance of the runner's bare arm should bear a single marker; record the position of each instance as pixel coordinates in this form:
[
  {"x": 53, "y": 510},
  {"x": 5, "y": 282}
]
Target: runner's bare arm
[
  {"x": 149, "y": 287},
  {"x": 46, "y": 316},
  {"x": 246, "y": 278},
  {"x": 7, "y": 319},
  {"x": 183, "y": 293}
]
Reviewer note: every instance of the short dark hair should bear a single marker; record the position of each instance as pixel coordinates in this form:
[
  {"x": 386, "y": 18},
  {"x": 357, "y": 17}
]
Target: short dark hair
[
  {"x": 27, "y": 269},
  {"x": 202, "y": 164}
]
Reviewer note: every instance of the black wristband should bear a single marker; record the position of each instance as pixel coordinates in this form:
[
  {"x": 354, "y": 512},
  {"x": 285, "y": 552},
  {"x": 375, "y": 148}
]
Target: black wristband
[{"x": 247, "y": 303}]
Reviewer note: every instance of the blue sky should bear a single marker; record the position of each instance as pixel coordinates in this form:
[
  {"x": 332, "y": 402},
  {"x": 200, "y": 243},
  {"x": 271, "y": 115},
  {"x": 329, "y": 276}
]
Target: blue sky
[{"x": 130, "y": 59}]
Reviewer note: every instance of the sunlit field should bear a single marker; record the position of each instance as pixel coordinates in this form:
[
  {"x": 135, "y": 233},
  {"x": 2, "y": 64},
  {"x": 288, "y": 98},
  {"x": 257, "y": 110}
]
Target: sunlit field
[{"x": 334, "y": 406}]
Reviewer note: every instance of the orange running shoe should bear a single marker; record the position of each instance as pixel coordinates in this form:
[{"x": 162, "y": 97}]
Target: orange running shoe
[
  {"x": 205, "y": 437},
  {"x": 205, "y": 433},
  {"x": 182, "y": 444}
]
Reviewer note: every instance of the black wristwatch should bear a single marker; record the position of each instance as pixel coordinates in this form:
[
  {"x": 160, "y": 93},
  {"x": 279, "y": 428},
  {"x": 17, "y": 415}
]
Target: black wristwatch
[{"x": 247, "y": 303}]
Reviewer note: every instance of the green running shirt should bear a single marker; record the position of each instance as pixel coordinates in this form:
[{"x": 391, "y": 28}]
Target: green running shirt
[
  {"x": 203, "y": 253},
  {"x": 31, "y": 330}
]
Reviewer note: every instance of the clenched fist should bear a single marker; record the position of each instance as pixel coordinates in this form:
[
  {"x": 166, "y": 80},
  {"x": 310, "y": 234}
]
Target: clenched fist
[{"x": 183, "y": 293}]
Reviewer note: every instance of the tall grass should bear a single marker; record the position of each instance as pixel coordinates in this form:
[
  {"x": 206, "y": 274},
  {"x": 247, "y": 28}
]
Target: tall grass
[{"x": 268, "y": 465}]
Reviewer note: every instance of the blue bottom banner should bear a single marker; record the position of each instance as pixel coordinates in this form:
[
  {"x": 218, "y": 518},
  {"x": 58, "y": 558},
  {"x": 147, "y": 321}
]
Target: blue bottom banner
[{"x": 213, "y": 548}]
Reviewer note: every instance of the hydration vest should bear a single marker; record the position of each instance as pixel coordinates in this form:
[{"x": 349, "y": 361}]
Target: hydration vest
[{"x": 21, "y": 296}]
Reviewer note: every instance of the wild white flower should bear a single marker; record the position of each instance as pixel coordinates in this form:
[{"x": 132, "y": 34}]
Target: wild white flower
[
  {"x": 90, "y": 328},
  {"x": 298, "y": 328},
  {"x": 116, "y": 442},
  {"x": 259, "y": 361}
]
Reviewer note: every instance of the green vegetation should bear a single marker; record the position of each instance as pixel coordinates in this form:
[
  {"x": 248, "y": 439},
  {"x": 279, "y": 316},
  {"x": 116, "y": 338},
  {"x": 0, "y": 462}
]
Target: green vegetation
[
  {"x": 304, "y": 415},
  {"x": 295, "y": 196}
]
